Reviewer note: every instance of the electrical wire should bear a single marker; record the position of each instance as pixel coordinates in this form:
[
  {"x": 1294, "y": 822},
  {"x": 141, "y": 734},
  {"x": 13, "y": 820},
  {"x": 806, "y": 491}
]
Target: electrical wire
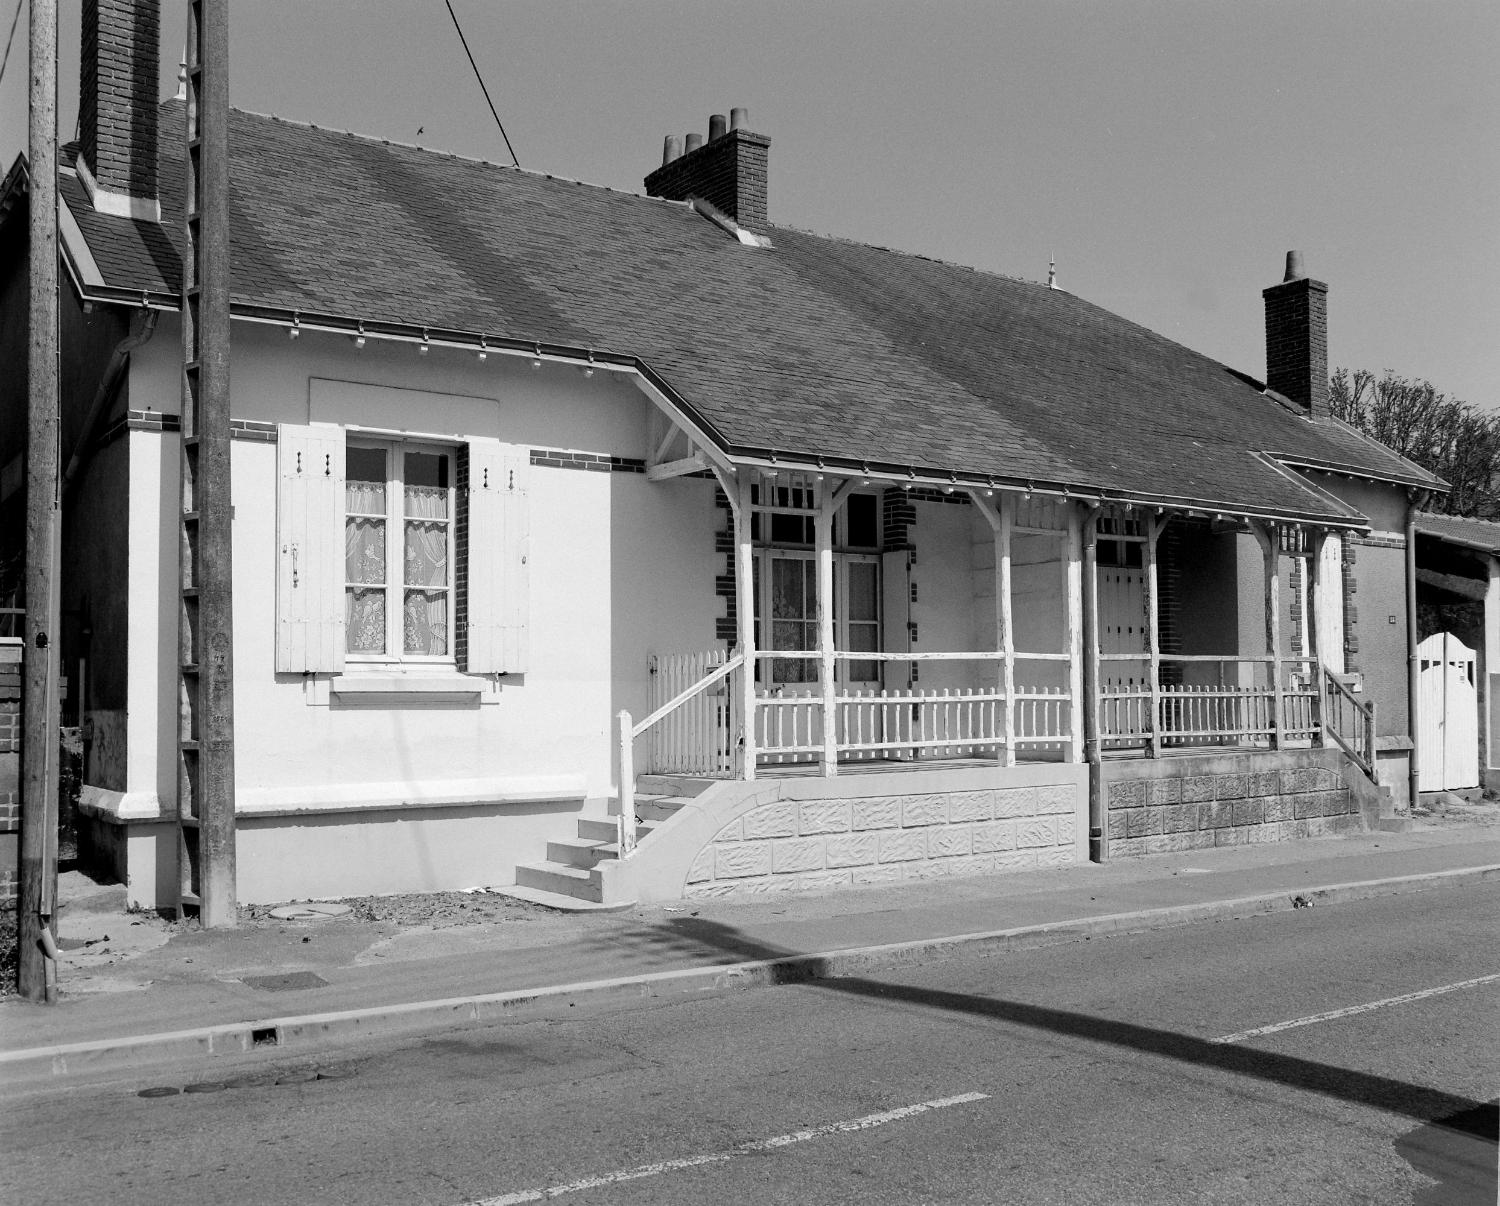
[
  {"x": 480, "y": 78},
  {"x": 14, "y": 21}
]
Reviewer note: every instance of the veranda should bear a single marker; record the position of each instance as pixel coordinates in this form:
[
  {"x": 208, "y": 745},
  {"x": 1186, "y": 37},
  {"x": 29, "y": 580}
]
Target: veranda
[{"x": 1079, "y": 678}]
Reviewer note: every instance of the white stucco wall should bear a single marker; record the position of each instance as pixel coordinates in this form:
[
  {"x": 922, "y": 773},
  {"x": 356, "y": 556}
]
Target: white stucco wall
[{"x": 620, "y": 567}]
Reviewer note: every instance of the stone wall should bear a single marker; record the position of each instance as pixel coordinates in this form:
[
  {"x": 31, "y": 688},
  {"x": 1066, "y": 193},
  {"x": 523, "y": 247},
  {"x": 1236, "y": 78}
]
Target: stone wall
[
  {"x": 1194, "y": 803},
  {"x": 817, "y": 845},
  {"x": 10, "y": 771}
]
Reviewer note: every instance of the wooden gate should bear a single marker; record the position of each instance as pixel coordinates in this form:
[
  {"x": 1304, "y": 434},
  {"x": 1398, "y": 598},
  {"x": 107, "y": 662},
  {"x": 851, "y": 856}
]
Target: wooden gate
[{"x": 1447, "y": 715}]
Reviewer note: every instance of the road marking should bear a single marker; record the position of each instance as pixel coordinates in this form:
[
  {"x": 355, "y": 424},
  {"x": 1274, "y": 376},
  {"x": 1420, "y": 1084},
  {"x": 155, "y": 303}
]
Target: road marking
[
  {"x": 1353, "y": 1009},
  {"x": 741, "y": 1149}
]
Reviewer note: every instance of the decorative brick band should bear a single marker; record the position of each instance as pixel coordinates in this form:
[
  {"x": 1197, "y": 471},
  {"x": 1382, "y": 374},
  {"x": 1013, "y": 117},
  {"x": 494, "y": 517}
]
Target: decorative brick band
[
  {"x": 254, "y": 430},
  {"x": 898, "y": 517},
  {"x": 726, "y": 626},
  {"x": 1376, "y": 542},
  {"x": 818, "y": 845},
  {"x": 1351, "y": 612},
  {"x": 589, "y": 462}
]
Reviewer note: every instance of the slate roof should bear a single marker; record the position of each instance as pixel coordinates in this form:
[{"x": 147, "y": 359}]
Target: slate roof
[
  {"x": 1478, "y": 534},
  {"x": 815, "y": 347}
]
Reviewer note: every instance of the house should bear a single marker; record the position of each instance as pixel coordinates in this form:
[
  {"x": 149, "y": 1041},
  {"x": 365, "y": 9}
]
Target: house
[{"x": 627, "y": 547}]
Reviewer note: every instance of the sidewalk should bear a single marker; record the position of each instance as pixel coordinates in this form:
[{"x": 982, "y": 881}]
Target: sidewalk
[{"x": 157, "y": 991}]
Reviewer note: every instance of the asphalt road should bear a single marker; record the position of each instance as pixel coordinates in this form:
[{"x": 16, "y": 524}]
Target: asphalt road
[{"x": 1085, "y": 1073}]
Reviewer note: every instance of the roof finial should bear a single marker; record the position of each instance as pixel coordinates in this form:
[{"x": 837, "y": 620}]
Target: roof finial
[{"x": 1051, "y": 270}]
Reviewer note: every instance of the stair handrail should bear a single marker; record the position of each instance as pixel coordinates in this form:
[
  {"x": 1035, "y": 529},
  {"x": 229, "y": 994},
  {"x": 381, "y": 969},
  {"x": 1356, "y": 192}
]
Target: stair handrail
[
  {"x": 1360, "y": 746},
  {"x": 626, "y": 733}
]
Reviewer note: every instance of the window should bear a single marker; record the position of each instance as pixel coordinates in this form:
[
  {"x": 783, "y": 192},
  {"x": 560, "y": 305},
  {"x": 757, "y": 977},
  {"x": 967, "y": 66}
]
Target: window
[
  {"x": 398, "y": 552},
  {"x": 786, "y": 579}
]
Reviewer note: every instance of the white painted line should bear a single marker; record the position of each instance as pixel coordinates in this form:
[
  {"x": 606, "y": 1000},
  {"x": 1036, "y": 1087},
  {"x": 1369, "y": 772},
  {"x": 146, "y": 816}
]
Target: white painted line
[
  {"x": 753, "y": 1145},
  {"x": 1349, "y": 1010}
]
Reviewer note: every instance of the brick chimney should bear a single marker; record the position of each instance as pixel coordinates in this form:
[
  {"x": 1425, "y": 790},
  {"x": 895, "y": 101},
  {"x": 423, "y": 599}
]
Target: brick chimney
[
  {"x": 1297, "y": 338},
  {"x": 117, "y": 106},
  {"x": 728, "y": 171}
]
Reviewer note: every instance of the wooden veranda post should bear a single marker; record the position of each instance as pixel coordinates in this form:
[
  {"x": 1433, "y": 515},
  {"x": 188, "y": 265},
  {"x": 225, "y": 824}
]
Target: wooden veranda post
[
  {"x": 744, "y": 592},
  {"x": 37, "y": 888},
  {"x": 205, "y": 804},
  {"x": 1001, "y": 517},
  {"x": 1310, "y": 622},
  {"x": 1270, "y": 546},
  {"x": 828, "y": 506},
  {"x": 1154, "y": 525},
  {"x": 1073, "y": 586}
]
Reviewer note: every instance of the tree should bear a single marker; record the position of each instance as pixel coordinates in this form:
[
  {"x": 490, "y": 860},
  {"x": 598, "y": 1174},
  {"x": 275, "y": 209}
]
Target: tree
[{"x": 1444, "y": 435}]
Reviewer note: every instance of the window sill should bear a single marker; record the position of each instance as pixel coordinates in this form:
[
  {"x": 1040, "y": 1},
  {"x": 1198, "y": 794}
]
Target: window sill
[{"x": 425, "y": 686}]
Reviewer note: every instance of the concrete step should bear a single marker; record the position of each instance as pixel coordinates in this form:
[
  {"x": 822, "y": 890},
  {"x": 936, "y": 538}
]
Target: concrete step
[
  {"x": 591, "y": 829},
  {"x": 582, "y": 852},
  {"x": 605, "y": 831},
  {"x": 577, "y": 882},
  {"x": 658, "y": 808}
]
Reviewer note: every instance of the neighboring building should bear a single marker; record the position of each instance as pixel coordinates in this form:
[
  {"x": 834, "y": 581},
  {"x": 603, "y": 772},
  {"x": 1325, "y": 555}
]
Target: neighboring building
[
  {"x": 515, "y": 454},
  {"x": 1458, "y": 597}
]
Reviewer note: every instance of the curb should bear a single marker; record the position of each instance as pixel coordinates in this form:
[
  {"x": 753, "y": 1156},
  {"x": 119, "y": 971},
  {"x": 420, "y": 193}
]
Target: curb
[{"x": 301, "y": 1032}]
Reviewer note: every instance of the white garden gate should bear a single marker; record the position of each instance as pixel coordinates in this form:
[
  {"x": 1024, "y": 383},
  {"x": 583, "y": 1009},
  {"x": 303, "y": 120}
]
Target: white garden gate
[{"x": 1447, "y": 715}]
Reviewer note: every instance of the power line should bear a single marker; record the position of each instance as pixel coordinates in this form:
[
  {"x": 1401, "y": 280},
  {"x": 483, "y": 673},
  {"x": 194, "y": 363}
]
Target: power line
[
  {"x": 16, "y": 20},
  {"x": 480, "y": 78}
]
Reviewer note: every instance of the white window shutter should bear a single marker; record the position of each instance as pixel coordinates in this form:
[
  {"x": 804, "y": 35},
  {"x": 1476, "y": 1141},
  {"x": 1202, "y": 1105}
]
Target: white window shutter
[
  {"x": 498, "y": 584},
  {"x": 310, "y": 549}
]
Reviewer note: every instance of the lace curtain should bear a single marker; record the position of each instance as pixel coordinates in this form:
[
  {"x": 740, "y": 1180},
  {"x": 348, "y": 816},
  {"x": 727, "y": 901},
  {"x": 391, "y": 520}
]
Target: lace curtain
[{"x": 425, "y": 569}]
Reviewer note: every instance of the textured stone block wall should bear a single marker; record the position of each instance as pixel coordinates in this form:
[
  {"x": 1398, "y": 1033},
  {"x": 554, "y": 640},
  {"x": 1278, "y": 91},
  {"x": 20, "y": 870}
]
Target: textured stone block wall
[
  {"x": 10, "y": 777},
  {"x": 1194, "y": 811},
  {"x": 820, "y": 845}
]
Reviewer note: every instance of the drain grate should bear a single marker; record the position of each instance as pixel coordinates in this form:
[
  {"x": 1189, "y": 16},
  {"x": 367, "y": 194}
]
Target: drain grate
[{"x": 286, "y": 981}]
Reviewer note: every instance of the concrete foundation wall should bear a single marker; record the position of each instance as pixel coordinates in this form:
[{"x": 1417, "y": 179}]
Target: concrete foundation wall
[
  {"x": 819, "y": 835},
  {"x": 1202, "y": 801}
]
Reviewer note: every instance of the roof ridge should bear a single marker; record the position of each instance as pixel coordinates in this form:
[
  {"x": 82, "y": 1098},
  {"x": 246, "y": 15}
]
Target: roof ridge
[
  {"x": 911, "y": 255},
  {"x": 442, "y": 154}
]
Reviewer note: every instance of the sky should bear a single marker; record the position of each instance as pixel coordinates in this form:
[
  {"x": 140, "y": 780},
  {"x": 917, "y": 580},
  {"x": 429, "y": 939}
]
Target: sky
[{"x": 1167, "y": 153}]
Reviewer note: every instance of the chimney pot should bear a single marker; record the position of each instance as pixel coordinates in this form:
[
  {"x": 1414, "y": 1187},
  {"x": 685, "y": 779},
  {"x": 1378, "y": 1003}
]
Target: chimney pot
[
  {"x": 739, "y": 118},
  {"x": 717, "y": 124},
  {"x": 729, "y": 171},
  {"x": 671, "y": 149},
  {"x": 1294, "y": 270}
]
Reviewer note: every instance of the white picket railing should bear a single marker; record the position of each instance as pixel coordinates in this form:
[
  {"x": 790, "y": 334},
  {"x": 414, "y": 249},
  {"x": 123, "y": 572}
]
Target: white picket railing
[
  {"x": 627, "y": 732},
  {"x": 872, "y": 723},
  {"x": 1227, "y": 711},
  {"x": 699, "y": 736}
]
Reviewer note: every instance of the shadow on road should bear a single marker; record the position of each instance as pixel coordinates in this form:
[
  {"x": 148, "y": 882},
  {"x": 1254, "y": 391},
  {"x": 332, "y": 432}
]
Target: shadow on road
[{"x": 1360, "y": 1088}]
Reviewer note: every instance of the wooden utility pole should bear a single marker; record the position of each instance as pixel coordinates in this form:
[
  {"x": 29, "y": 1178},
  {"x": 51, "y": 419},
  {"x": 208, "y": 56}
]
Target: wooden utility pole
[
  {"x": 205, "y": 798},
  {"x": 38, "y": 856}
]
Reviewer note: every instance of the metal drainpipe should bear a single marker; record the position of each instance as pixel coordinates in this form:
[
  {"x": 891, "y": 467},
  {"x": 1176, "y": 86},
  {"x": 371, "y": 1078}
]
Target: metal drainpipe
[
  {"x": 1415, "y": 499},
  {"x": 108, "y": 384},
  {"x": 1098, "y": 839}
]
